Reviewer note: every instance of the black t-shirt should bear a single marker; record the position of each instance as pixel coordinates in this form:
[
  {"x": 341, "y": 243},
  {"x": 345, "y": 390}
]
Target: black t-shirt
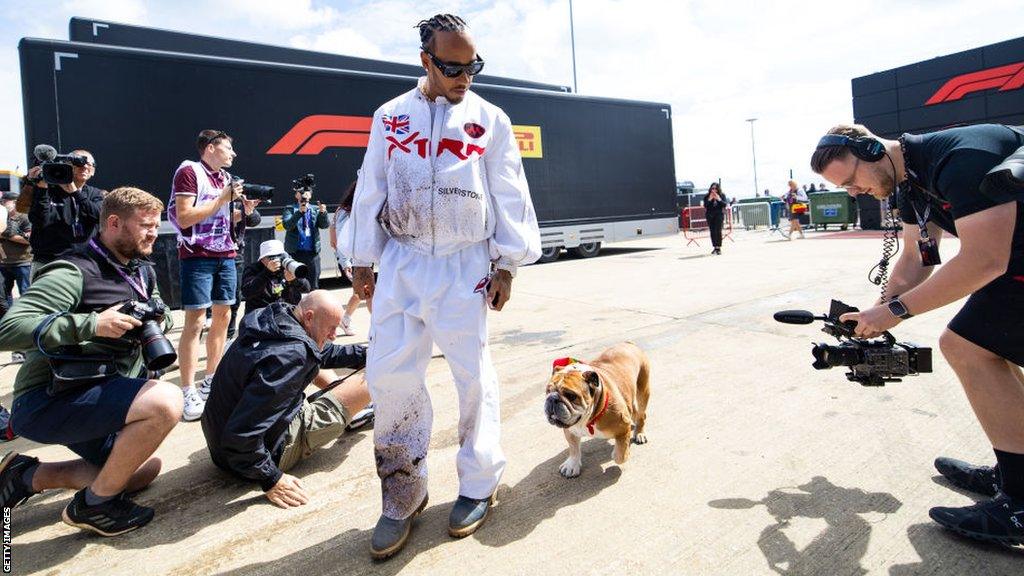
[{"x": 946, "y": 169}]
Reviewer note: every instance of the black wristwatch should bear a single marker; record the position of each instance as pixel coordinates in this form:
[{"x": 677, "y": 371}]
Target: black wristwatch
[{"x": 898, "y": 309}]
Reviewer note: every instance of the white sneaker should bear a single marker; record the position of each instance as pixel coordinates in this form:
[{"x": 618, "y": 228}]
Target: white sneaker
[
  {"x": 346, "y": 325},
  {"x": 203, "y": 388},
  {"x": 194, "y": 405},
  {"x": 361, "y": 418}
]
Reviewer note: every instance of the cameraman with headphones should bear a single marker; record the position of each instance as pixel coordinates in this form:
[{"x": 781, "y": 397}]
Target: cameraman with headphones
[{"x": 956, "y": 181}]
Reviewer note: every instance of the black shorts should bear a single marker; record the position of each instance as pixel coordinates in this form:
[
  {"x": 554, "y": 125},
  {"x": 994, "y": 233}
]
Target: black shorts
[
  {"x": 86, "y": 420},
  {"x": 993, "y": 318}
]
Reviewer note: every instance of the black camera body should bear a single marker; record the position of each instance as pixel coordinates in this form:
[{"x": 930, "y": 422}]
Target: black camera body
[
  {"x": 157, "y": 350},
  {"x": 57, "y": 168},
  {"x": 304, "y": 183},
  {"x": 262, "y": 192},
  {"x": 871, "y": 362}
]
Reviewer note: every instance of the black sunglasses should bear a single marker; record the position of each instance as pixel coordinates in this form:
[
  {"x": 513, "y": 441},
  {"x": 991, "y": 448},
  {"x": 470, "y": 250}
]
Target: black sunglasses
[{"x": 455, "y": 70}]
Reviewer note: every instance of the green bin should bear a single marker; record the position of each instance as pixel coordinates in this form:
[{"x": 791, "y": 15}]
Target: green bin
[{"x": 832, "y": 208}]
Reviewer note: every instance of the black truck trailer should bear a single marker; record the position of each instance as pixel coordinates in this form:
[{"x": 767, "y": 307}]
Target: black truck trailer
[
  {"x": 600, "y": 170},
  {"x": 972, "y": 87},
  {"x": 130, "y": 36},
  {"x": 983, "y": 85}
]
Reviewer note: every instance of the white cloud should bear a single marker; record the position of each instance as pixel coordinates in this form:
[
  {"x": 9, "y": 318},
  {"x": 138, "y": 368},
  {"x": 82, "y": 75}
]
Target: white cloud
[
  {"x": 286, "y": 14},
  {"x": 339, "y": 41}
]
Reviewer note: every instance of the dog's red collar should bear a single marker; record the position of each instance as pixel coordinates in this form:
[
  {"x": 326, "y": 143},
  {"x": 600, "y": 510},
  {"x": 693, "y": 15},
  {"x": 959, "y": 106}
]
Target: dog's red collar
[{"x": 593, "y": 421}]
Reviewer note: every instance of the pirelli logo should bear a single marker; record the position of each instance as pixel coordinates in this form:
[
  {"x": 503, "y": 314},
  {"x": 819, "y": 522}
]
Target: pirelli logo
[{"x": 529, "y": 140}]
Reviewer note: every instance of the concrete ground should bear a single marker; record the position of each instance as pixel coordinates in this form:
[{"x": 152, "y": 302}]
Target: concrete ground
[{"x": 756, "y": 462}]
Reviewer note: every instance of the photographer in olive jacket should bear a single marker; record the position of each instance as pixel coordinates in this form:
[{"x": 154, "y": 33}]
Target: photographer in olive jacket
[{"x": 105, "y": 410}]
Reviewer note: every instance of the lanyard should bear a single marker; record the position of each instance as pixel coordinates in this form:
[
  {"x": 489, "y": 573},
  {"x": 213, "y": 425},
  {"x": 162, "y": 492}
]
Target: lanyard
[
  {"x": 139, "y": 287},
  {"x": 905, "y": 188}
]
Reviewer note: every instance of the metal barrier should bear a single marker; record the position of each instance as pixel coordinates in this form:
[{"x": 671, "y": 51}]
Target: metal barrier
[
  {"x": 695, "y": 225},
  {"x": 755, "y": 214}
]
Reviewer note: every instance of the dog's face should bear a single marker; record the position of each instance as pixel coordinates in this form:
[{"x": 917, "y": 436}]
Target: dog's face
[{"x": 569, "y": 396}]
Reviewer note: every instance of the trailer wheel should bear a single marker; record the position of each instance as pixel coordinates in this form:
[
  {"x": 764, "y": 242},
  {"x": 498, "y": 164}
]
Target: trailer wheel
[
  {"x": 549, "y": 254},
  {"x": 586, "y": 250}
]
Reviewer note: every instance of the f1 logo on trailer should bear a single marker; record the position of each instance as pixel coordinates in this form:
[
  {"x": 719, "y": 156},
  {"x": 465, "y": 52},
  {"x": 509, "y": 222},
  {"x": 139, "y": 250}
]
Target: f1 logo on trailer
[
  {"x": 314, "y": 134},
  {"x": 1006, "y": 78}
]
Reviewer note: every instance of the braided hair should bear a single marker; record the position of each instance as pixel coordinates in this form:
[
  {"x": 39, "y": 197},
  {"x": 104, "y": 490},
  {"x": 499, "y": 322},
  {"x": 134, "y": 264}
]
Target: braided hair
[{"x": 439, "y": 23}]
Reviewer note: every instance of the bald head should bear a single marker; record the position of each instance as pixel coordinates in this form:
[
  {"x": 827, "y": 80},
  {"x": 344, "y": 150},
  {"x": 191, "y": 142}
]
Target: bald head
[{"x": 320, "y": 312}]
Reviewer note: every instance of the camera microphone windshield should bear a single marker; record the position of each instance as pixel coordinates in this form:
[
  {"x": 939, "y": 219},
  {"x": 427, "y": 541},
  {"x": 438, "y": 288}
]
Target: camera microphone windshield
[
  {"x": 44, "y": 152},
  {"x": 796, "y": 317}
]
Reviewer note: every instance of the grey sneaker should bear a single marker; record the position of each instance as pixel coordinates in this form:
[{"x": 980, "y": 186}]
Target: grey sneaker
[
  {"x": 389, "y": 536},
  {"x": 203, "y": 388},
  {"x": 468, "y": 515}
]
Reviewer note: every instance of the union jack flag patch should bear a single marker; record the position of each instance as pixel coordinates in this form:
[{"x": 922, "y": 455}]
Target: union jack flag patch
[{"x": 396, "y": 124}]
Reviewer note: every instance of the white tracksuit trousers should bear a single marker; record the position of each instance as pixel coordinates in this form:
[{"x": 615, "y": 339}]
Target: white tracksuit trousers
[{"x": 420, "y": 299}]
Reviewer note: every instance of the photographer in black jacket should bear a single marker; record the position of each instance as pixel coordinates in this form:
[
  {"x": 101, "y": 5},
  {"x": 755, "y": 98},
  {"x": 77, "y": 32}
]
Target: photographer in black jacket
[
  {"x": 265, "y": 281},
  {"x": 257, "y": 422},
  {"x": 945, "y": 187},
  {"x": 62, "y": 216}
]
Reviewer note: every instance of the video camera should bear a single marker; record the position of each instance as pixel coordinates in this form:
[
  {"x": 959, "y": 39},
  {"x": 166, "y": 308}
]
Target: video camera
[
  {"x": 256, "y": 191},
  {"x": 157, "y": 350},
  {"x": 871, "y": 362},
  {"x": 58, "y": 168}
]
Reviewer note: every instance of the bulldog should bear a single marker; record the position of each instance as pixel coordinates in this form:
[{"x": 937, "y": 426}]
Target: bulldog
[{"x": 606, "y": 397}]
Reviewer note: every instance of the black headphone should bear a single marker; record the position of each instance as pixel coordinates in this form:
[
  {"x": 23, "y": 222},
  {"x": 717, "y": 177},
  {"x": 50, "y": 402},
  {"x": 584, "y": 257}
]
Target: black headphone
[{"x": 867, "y": 149}]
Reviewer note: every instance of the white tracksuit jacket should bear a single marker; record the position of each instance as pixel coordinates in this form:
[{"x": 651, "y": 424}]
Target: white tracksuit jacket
[
  {"x": 439, "y": 199},
  {"x": 441, "y": 186}
]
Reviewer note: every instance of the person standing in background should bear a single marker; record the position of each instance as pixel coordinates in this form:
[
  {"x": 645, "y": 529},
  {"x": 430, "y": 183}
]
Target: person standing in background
[
  {"x": 715, "y": 205},
  {"x": 795, "y": 200}
]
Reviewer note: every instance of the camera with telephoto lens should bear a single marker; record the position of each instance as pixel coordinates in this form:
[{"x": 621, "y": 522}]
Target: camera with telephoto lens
[
  {"x": 871, "y": 362},
  {"x": 261, "y": 192},
  {"x": 298, "y": 269},
  {"x": 157, "y": 350},
  {"x": 57, "y": 168}
]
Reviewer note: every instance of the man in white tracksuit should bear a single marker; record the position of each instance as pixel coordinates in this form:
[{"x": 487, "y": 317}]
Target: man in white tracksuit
[{"x": 441, "y": 201}]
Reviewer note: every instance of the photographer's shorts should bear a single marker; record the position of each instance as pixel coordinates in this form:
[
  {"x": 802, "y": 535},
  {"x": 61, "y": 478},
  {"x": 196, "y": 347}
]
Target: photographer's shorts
[
  {"x": 316, "y": 425},
  {"x": 993, "y": 318},
  {"x": 86, "y": 420},
  {"x": 206, "y": 281}
]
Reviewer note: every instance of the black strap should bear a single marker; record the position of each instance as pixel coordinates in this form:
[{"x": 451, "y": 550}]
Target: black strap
[{"x": 37, "y": 337}]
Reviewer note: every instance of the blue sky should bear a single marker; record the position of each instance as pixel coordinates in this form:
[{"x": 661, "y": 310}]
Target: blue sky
[{"x": 789, "y": 64}]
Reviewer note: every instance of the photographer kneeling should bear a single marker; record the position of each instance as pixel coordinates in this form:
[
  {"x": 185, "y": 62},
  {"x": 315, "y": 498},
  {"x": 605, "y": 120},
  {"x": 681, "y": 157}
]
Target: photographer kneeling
[
  {"x": 270, "y": 279},
  {"x": 944, "y": 184},
  {"x": 257, "y": 422},
  {"x": 86, "y": 388}
]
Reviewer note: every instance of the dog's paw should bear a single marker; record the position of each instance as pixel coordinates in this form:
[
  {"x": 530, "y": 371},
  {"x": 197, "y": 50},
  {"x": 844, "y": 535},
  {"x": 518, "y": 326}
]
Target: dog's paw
[
  {"x": 570, "y": 468},
  {"x": 640, "y": 439}
]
